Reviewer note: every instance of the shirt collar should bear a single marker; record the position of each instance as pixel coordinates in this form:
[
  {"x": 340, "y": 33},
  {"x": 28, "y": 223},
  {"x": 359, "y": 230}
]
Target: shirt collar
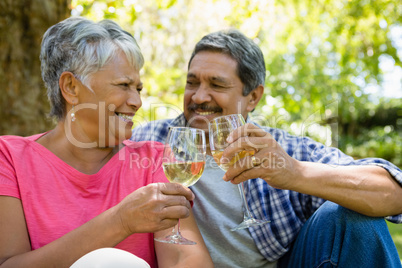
[{"x": 181, "y": 121}]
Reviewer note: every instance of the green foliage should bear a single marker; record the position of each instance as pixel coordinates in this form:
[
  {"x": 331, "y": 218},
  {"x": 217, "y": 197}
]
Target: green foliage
[
  {"x": 377, "y": 133},
  {"x": 325, "y": 62},
  {"x": 375, "y": 142},
  {"x": 396, "y": 233}
]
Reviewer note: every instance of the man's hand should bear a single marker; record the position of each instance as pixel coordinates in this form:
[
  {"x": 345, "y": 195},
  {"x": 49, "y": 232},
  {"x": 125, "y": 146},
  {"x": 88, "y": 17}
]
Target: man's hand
[{"x": 269, "y": 162}]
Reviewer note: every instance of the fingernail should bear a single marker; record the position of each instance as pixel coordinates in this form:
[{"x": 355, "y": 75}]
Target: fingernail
[{"x": 229, "y": 139}]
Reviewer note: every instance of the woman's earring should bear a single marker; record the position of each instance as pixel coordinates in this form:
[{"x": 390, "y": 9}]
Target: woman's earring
[{"x": 73, "y": 114}]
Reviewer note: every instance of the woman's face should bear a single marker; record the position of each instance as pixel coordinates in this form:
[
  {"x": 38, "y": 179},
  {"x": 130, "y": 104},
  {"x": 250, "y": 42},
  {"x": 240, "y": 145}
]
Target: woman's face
[{"x": 106, "y": 108}]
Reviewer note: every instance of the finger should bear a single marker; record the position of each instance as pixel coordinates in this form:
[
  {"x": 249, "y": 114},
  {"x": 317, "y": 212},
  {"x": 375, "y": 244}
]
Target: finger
[
  {"x": 161, "y": 225},
  {"x": 250, "y": 144},
  {"x": 166, "y": 224},
  {"x": 246, "y": 130},
  {"x": 247, "y": 174},
  {"x": 250, "y": 161},
  {"x": 174, "y": 200},
  {"x": 175, "y": 212},
  {"x": 247, "y": 146},
  {"x": 176, "y": 189},
  {"x": 163, "y": 217}
]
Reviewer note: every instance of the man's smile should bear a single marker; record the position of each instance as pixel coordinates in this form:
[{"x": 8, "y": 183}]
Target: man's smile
[{"x": 204, "y": 113}]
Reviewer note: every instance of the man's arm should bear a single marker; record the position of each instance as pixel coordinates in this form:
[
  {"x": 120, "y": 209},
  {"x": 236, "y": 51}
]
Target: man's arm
[{"x": 367, "y": 189}]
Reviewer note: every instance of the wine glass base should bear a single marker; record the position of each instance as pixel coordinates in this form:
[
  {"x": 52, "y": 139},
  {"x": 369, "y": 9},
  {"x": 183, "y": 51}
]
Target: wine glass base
[
  {"x": 175, "y": 239},
  {"x": 249, "y": 223}
]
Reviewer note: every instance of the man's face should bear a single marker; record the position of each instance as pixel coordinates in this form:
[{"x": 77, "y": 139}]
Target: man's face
[{"x": 213, "y": 89}]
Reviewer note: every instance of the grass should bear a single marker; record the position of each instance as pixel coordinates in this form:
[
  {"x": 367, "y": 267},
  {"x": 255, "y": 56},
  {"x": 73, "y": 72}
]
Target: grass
[{"x": 396, "y": 233}]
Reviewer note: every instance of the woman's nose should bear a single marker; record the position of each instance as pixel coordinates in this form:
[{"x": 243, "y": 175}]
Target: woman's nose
[{"x": 134, "y": 100}]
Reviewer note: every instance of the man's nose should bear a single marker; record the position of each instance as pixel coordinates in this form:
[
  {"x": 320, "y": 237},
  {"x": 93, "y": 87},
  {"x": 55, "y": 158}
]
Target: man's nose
[{"x": 201, "y": 95}]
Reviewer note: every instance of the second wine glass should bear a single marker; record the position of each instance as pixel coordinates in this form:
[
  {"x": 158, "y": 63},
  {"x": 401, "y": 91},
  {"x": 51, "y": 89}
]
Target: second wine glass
[
  {"x": 219, "y": 130},
  {"x": 183, "y": 162}
]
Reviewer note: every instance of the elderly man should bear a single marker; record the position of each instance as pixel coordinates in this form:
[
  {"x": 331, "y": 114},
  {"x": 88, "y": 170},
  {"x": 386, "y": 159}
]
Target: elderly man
[{"x": 325, "y": 209}]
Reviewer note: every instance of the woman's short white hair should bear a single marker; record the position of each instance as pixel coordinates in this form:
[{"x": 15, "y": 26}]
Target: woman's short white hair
[{"x": 81, "y": 46}]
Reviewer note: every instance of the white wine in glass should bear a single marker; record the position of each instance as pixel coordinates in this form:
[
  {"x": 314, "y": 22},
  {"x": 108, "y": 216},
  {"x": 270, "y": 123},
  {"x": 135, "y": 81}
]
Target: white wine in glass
[
  {"x": 183, "y": 162},
  {"x": 186, "y": 173},
  {"x": 219, "y": 130}
]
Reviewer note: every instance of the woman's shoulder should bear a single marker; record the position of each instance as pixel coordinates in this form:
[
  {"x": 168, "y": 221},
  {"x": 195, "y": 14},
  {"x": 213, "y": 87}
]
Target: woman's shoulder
[
  {"x": 13, "y": 141},
  {"x": 21, "y": 138},
  {"x": 15, "y": 149}
]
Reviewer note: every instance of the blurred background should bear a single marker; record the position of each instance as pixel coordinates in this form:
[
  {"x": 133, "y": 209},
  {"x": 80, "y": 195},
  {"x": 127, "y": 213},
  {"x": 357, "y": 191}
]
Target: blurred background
[{"x": 334, "y": 69}]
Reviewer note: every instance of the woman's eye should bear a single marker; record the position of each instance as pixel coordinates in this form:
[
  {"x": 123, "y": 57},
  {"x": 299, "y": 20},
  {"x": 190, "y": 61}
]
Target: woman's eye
[
  {"x": 139, "y": 89},
  {"x": 124, "y": 84}
]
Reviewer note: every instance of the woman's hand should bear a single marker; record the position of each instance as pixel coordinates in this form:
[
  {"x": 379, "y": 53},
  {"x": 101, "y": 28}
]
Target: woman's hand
[
  {"x": 154, "y": 207},
  {"x": 269, "y": 162}
]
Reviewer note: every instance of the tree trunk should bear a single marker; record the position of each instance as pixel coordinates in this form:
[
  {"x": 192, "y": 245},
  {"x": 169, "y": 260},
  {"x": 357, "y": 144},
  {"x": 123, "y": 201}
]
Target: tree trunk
[{"x": 23, "y": 99}]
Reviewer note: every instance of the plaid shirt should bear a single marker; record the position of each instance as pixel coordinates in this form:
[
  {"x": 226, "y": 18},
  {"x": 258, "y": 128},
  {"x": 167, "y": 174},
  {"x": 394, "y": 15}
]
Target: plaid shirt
[{"x": 287, "y": 210}]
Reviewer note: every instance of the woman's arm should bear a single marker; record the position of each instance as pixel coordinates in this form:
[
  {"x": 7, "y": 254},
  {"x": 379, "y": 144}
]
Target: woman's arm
[
  {"x": 15, "y": 249},
  {"x": 171, "y": 255},
  {"x": 161, "y": 203},
  {"x": 13, "y": 230}
]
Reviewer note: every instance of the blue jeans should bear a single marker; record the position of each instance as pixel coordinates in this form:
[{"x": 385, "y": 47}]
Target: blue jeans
[{"x": 338, "y": 237}]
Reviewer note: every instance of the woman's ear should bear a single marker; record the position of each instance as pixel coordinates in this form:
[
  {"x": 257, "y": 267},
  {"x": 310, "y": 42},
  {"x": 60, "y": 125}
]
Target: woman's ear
[
  {"x": 255, "y": 97},
  {"x": 69, "y": 87}
]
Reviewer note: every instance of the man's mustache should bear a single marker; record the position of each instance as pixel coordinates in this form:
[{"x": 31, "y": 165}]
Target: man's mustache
[{"x": 204, "y": 107}]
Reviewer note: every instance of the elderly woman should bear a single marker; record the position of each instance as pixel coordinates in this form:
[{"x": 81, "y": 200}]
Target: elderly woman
[{"x": 80, "y": 187}]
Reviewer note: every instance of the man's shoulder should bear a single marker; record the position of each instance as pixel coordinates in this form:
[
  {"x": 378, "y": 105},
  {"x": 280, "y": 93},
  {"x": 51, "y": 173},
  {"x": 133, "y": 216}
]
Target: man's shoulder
[
  {"x": 153, "y": 125},
  {"x": 152, "y": 131},
  {"x": 277, "y": 133},
  {"x": 156, "y": 130}
]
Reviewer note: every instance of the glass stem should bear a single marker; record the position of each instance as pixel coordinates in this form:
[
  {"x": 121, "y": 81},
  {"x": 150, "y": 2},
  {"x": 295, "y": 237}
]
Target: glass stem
[
  {"x": 247, "y": 213},
  {"x": 176, "y": 232}
]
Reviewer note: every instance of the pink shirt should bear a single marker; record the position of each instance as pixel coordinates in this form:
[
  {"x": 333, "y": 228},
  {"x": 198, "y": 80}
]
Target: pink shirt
[{"x": 57, "y": 198}]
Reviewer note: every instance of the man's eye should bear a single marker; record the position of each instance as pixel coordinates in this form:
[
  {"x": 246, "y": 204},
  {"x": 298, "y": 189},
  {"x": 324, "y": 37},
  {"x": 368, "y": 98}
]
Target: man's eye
[
  {"x": 191, "y": 83},
  {"x": 139, "y": 89},
  {"x": 124, "y": 84}
]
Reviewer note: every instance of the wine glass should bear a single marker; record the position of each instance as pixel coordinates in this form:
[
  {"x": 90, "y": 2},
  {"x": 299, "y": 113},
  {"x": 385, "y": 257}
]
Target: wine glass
[
  {"x": 183, "y": 162},
  {"x": 219, "y": 129}
]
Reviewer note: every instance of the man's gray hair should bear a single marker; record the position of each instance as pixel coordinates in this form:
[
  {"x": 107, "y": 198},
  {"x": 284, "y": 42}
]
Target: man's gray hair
[
  {"x": 82, "y": 47},
  {"x": 250, "y": 60}
]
